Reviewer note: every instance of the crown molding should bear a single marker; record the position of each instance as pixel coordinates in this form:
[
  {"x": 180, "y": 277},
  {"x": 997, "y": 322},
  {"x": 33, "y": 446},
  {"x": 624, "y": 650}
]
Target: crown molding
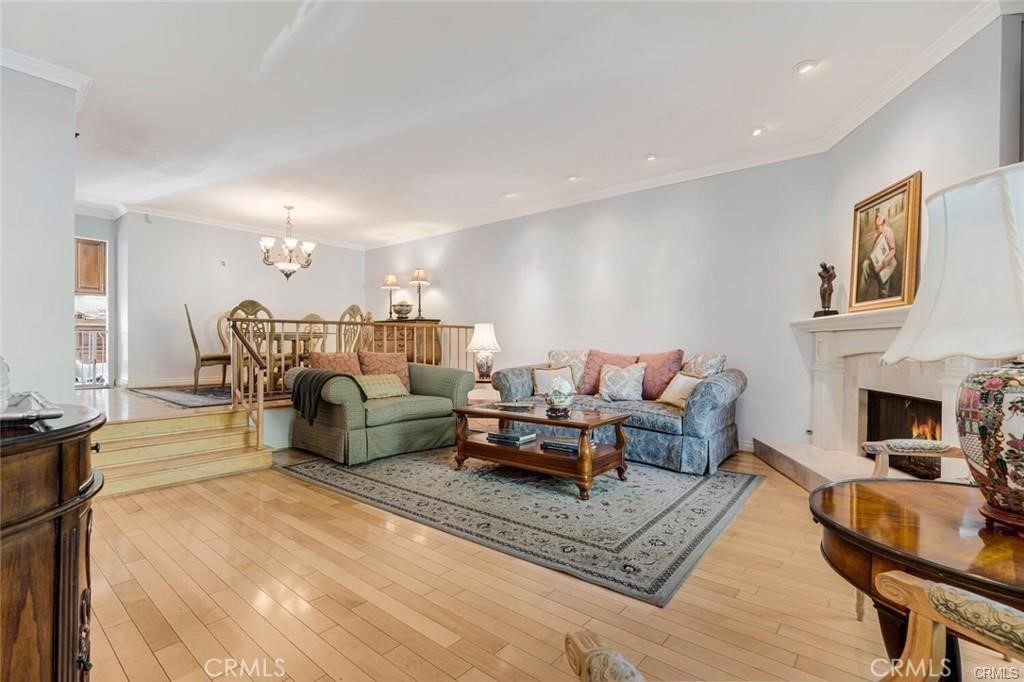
[
  {"x": 241, "y": 227},
  {"x": 98, "y": 209},
  {"x": 983, "y": 14},
  {"x": 711, "y": 170},
  {"x": 31, "y": 66},
  {"x": 980, "y": 16}
]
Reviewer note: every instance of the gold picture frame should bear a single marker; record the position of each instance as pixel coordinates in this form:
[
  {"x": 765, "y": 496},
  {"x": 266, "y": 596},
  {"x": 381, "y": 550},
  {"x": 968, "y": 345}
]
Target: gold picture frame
[{"x": 885, "y": 250}]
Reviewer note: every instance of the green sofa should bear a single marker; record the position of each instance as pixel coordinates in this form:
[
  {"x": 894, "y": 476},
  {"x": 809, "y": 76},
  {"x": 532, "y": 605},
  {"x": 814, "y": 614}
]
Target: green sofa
[{"x": 350, "y": 430}]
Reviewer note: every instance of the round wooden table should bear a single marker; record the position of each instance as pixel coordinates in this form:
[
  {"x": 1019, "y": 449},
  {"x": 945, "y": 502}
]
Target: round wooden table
[{"x": 929, "y": 529}]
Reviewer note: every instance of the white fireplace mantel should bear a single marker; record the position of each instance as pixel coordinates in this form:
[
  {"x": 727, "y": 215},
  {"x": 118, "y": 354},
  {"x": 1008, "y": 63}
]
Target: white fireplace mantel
[
  {"x": 839, "y": 336},
  {"x": 888, "y": 318}
]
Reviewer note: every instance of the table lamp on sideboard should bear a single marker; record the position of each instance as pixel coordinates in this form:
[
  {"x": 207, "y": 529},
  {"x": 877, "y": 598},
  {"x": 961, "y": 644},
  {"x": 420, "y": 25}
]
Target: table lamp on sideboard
[
  {"x": 419, "y": 280},
  {"x": 484, "y": 344},
  {"x": 971, "y": 303},
  {"x": 390, "y": 285}
]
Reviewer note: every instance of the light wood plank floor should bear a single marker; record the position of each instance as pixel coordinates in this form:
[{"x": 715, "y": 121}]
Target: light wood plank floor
[
  {"x": 263, "y": 566},
  {"x": 120, "y": 404}
]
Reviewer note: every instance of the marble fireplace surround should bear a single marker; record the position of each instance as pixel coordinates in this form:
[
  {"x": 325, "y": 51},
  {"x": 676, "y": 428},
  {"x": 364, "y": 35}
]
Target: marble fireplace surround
[{"x": 846, "y": 352}]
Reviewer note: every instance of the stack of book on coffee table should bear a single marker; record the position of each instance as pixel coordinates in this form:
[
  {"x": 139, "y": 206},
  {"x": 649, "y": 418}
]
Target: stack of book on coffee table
[
  {"x": 509, "y": 437},
  {"x": 572, "y": 447}
]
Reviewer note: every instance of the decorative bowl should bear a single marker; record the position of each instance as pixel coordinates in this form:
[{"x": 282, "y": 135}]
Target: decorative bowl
[
  {"x": 559, "y": 398},
  {"x": 402, "y": 309}
]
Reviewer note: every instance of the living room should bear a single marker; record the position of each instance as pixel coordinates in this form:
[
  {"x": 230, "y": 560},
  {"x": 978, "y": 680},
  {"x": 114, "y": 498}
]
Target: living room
[{"x": 574, "y": 367}]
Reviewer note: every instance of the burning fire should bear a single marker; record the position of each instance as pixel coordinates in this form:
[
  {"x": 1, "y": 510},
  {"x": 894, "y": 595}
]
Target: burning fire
[{"x": 928, "y": 429}]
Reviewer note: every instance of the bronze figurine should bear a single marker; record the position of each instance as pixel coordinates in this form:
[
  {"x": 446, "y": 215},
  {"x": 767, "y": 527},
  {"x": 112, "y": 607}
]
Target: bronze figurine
[{"x": 827, "y": 275}]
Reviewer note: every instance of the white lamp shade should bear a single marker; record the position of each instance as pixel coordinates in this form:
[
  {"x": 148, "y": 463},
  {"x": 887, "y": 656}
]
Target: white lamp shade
[
  {"x": 971, "y": 299},
  {"x": 483, "y": 339}
]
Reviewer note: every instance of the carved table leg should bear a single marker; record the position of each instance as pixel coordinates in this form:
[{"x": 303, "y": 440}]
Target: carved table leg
[
  {"x": 585, "y": 466},
  {"x": 461, "y": 429},
  {"x": 620, "y": 445}
]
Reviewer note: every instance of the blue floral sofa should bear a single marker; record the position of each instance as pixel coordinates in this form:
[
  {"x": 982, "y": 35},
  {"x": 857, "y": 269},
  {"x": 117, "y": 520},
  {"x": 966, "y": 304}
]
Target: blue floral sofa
[{"x": 694, "y": 440}]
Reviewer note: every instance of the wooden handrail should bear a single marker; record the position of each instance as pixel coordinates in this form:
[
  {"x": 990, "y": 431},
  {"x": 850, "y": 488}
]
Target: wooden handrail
[
  {"x": 249, "y": 348},
  {"x": 410, "y": 322},
  {"x": 264, "y": 349}
]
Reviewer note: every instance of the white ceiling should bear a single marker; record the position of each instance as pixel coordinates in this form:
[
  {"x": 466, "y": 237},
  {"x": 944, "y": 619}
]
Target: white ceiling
[{"x": 385, "y": 122}]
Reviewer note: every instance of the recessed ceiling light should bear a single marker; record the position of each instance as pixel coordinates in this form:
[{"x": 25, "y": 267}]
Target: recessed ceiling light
[
  {"x": 759, "y": 131},
  {"x": 510, "y": 195},
  {"x": 652, "y": 157},
  {"x": 574, "y": 178},
  {"x": 806, "y": 66}
]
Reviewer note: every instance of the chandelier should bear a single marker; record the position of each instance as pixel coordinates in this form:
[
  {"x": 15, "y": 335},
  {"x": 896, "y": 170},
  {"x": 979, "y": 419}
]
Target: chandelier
[{"x": 288, "y": 255}]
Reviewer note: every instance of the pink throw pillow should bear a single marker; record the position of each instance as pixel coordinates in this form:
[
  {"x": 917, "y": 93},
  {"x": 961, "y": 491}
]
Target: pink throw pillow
[
  {"x": 661, "y": 367},
  {"x": 596, "y": 359},
  {"x": 385, "y": 363},
  {"x": 346, "y": 363}
]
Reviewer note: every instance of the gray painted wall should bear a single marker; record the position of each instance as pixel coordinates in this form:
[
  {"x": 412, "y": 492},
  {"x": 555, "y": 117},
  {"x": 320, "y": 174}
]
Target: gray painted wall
[
  {"x": 164, "y": 263},
  {"x": 720, "y": 264},
  {"x": 36, "y": 234},
  {"x": 714, "y": 265}
]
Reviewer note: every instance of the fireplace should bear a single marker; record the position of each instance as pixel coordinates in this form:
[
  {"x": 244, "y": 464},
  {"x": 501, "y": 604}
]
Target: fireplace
[{"x": 900, "y": 416}]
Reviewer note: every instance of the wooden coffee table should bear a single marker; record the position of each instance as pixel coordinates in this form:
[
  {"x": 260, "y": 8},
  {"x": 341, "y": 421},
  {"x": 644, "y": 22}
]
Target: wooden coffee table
[{"x": 592, "y": 460}]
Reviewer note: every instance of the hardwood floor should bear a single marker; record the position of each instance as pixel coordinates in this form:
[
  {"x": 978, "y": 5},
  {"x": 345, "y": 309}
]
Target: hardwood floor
[
  {"x": 263, "y": 566},
  {"x": 120, "y": 404}
]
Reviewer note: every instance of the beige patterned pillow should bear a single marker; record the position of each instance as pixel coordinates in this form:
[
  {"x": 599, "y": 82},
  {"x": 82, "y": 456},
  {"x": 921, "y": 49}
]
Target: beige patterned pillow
[
  {"x": 542, "y": 378},
  {"x": 381, "y": 386},
  {"x": 622, "y": 383},
  {"x": 678, "y": 390},
  {"x": 576, "y": 360},
  {"x": 703, "y": 365}
]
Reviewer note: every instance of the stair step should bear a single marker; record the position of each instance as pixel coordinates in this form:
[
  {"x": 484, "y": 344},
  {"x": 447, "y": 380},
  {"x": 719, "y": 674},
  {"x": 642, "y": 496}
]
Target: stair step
[
  {"x": 135, "y": 476},
  {"x": 166, "y": 446},
  {"x": 193, "y": 421}
]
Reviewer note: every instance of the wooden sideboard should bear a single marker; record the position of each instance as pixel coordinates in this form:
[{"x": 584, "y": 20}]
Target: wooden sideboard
[
  {"x": 417, "y": 338},
  {"x": 46, "y": 486}
]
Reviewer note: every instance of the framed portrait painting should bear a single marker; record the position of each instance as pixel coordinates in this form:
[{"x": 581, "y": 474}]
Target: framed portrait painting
[{"x": 886, "y": 228}]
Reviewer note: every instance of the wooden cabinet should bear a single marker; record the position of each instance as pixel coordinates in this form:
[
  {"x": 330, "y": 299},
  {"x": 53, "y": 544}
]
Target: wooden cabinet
[
  {"x": 418, "y": 339},
  {"x": 90, "y": 267},
  {"x": 46, "y": 486}
]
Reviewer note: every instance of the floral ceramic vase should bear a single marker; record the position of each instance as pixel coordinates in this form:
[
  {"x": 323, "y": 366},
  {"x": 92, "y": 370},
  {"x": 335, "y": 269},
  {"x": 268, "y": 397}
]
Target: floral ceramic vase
[
  {"x": 990, "y": 421},
  {"x": 559, "y": 398}
]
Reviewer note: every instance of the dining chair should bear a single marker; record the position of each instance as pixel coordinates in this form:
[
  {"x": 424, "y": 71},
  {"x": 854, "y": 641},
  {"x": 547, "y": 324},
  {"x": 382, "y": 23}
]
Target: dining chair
[
  {"x": 312, "y": 334},
  {"x": 937, "y": 608},
  {"x": 254, "y": 321},
  {"x": 352, "y": 334},
  {"x": 206, "y": 359}
]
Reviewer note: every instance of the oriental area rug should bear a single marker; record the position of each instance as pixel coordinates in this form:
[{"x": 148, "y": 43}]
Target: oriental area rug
[{"x": 640, "y": 537}]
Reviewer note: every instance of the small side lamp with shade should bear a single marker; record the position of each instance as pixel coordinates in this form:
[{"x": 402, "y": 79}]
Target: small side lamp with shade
[
  {"x": 971, "y": 303},
  {"x": 390, "y": 285},
  {"x": 419, "y": 280},
  {"x": 485, "y": 344}
]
